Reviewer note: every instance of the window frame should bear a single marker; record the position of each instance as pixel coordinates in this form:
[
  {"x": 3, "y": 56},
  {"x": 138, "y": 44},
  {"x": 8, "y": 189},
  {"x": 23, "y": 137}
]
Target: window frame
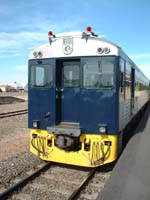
[
  {"x": 46, "y": 85},
  {"x": 99, "y": 61}
]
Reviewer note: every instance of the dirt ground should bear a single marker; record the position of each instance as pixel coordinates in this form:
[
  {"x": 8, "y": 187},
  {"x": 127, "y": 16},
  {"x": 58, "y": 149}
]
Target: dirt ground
[
  {"x": 14, "y": 134},
  {"x": 14, "y": 143}
]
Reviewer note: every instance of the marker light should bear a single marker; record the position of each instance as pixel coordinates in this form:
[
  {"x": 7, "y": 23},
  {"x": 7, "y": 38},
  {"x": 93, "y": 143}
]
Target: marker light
[
  {"x": 89, "y": 29},
  {"x": 106, "y": 50},
  {"x": 40, "y": 53},
  {"x": 100, "y": 50},
  {"x": 50, "y": 34},
  {"x": 35, "y": 54},
  {"x": 51, "y": 37}
]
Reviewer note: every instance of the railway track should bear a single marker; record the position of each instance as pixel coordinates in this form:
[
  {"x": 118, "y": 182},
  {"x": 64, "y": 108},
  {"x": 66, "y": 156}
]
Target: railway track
[
  {"x": 54, "y": 182},
  {"x": 13, "y": 113}
]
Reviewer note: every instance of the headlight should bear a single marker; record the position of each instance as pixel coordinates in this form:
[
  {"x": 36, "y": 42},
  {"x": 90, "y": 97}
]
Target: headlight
[
  {"x": 35, "y": 124},
  {"x": 35, "y": 54},
  {"x": 102, "y": 129},
  {"x": 106, "y": 50},
  {"x": 40, "y": 54}
]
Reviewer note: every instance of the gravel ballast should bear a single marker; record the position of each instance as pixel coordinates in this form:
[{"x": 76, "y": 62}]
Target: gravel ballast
[{"x": 16, "y": 166}]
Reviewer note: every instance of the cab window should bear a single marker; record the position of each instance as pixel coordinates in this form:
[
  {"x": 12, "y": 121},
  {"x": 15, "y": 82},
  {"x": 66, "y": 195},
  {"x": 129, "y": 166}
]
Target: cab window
[
  {"x": 98, "y": 75},
  {"x": 71, "y": 74},
  {"x": 41, "y": 76}
]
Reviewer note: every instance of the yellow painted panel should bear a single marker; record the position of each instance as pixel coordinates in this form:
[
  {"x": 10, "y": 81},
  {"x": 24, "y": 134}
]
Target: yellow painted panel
[{"x": 42, "y": 144}]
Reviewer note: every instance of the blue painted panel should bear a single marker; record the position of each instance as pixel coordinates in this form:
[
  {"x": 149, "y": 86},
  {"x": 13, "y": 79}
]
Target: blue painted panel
[
  {"x": 99, "y": 106},
  {"x": 71, "y": 105},
  {"x": 70, "y": 96},
  {"x": 42, "y": 101},
  {"x": 89, "y": 107}
]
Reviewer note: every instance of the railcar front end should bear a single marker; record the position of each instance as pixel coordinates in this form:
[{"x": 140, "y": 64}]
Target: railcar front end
[
  {"x": 74, "y": 100},
  {"x": 73, "y": 110}
]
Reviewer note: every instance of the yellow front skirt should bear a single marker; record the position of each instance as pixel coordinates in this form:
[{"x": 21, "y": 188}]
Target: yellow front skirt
[{"x": 103, "y": 149}]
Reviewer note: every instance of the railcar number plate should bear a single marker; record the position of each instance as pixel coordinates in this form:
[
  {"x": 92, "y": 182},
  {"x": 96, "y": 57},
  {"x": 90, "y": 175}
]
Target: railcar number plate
[{"x": 68, "y": 45}]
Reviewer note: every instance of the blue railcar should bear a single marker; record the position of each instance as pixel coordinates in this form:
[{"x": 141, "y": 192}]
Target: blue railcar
[{"x": 83, "y": 91}]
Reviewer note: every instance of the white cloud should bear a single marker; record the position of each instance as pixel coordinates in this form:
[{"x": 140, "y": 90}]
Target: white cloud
[
  {"x": 22, "y": 68},
  {"x": 15, "y": 44},
  {"x": 19, "y": 38},
  {"x": 7, "y": 43}
]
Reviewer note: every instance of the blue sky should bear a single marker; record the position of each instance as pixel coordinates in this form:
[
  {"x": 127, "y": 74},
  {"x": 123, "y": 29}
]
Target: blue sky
[{"x": 24, "y": 26}]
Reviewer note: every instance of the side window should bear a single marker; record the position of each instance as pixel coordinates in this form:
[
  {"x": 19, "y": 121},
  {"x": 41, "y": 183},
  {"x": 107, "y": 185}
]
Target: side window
[
  {"x": 41, "y": 76},
  {"x": 121, "y": 79},
  {"x": 98, "y": 75},
  {"x": 128, "y": 81},
  {"x": 141, "y": 83}
]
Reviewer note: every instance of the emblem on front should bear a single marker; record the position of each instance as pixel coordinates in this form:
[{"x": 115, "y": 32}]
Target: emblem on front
[{"x": 67, "y": 45}]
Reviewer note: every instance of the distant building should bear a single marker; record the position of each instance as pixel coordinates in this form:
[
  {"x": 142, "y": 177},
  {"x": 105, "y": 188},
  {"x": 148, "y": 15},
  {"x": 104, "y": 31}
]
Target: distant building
[
  {"x": 6, "y": 88},
  {"x": 18, "y": 87}
]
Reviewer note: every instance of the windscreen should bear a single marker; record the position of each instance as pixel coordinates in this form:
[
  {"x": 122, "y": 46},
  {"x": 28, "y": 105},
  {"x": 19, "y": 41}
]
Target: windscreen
[
  {"x": 41, "y": 76},
  {"x": 71, "y": 74},
  {"x": 98, "y": 75}
]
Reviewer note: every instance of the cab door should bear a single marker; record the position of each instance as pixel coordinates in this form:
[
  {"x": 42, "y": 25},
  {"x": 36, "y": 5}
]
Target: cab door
[
  {"x": 42, "y": 93},
  {"x": 68, "y": 90}
]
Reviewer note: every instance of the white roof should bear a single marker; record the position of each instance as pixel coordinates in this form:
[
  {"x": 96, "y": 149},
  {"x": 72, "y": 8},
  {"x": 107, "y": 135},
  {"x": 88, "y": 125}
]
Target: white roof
[{"x": 72, "y": 45}]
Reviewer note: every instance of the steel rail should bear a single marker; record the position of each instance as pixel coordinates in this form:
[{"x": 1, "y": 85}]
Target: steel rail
[
  {"x": 13, "y": 113},
  {"x": 82, "y": 184},
  {"x": 6, "y": 193}
]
